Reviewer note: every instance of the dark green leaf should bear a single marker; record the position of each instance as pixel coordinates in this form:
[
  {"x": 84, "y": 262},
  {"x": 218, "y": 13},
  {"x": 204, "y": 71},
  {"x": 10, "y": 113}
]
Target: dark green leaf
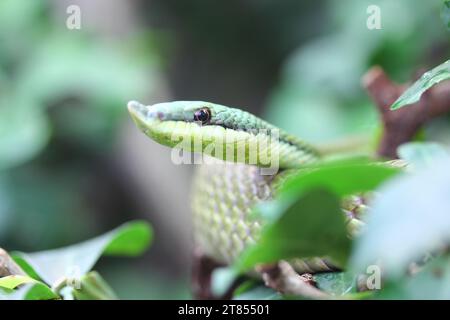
[
  {"x": 313, "y": 226},
  {"x": 342, "y": 177}
]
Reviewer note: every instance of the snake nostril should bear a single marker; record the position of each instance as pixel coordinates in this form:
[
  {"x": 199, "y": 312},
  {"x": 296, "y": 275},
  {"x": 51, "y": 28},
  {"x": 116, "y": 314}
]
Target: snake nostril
[{"x": 156, "y": 115}]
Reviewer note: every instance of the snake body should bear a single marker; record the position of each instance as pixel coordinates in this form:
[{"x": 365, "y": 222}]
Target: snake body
[{"x": 225, "y": 190}]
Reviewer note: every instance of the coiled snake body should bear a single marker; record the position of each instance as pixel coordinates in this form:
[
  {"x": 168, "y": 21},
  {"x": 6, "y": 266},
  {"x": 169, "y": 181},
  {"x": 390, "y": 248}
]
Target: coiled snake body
[{"x": 226, "y": 190}]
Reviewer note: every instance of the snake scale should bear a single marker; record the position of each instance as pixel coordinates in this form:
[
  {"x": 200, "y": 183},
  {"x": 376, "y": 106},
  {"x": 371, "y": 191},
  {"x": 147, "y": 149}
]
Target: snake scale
[{"x": 225, "y": 190}]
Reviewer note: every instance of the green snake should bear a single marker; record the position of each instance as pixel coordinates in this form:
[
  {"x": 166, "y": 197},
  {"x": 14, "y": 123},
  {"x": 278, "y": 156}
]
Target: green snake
[{"x": 225, "y": 190}]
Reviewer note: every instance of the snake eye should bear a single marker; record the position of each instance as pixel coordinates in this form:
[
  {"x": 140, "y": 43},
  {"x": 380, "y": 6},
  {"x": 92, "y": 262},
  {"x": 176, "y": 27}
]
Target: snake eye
[{"x": 203, "y": 115}]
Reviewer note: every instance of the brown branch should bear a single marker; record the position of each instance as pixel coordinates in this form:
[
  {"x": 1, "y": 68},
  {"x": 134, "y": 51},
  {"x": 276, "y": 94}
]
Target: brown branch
[
  {"x": 284, "y": 279},
  {"x": 7, "y": 265},
  {"x": 401, "y": 125},
  {"x": 280, "y": 277},
  {"x": 202, "y": 269}
]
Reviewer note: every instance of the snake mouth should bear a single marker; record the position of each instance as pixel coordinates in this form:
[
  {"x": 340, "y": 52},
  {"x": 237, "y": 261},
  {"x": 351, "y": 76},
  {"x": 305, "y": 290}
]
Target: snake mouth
[
  {"x": 154, "y": 124},
  {"x": 151, "y": 122},
  {"x": 142, "y": 115}
]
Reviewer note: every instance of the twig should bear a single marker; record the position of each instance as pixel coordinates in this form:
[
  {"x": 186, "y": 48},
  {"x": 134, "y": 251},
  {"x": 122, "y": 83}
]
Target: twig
[
  {"x": 283, "y": 278},
  {"x": 401, "y": 125}
]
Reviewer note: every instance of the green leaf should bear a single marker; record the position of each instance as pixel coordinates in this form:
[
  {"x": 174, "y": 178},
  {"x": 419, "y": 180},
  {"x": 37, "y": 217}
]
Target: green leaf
[
  {"x": 31, "y": 290},
  {"x": 313, "y": 226},
  {"x": 132, "y": 240},
  {"x": 53, "y": 266},
  {"x": 342, "y": 177},
  {"x": 17, "y": 257},
  {"x": 428, "y": 79},
  {"x": 306, "y": 220},
  {"x": 39, "y": 291},
  {"x": 421, "y": 154},
  {"x": 11, "y": 282},
  {"x": 410, "y": 219},
  {"x": 336, "y": 283}
]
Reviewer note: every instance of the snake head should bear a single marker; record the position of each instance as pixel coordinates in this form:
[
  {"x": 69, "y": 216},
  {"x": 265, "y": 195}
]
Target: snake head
[
  {"x": 167, "y": 122},
  {"x": 215, "y": 130}
]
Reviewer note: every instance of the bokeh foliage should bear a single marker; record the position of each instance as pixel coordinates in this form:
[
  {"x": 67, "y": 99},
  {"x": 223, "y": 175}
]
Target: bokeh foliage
[
  {"x": 320, "y": 97},
  {"x": 62, "y": 103},
  {"x": 63, "y": 96}
]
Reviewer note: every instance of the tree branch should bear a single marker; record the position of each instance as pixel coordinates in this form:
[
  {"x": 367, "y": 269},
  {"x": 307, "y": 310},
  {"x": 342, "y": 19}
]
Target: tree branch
[
  {"x": 202, "y": 269},
  {"x": 283, "y": 278},
  {"x": 7, "y": 265},
  {"x": 400, "y": 126}
]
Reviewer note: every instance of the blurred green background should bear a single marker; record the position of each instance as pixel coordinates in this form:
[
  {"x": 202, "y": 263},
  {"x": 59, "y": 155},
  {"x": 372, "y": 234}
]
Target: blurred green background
[{"x": 72, "y": 164}]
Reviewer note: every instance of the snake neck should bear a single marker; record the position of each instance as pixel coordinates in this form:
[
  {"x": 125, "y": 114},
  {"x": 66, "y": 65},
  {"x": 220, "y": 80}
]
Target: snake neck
[{"x": 291, "y": 151}]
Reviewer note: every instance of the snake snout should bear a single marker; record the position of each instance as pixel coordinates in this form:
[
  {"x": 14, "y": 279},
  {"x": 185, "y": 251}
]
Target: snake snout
[
  {"x": 143, "y": 115},
  {"x": 136, "y": 108}
]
